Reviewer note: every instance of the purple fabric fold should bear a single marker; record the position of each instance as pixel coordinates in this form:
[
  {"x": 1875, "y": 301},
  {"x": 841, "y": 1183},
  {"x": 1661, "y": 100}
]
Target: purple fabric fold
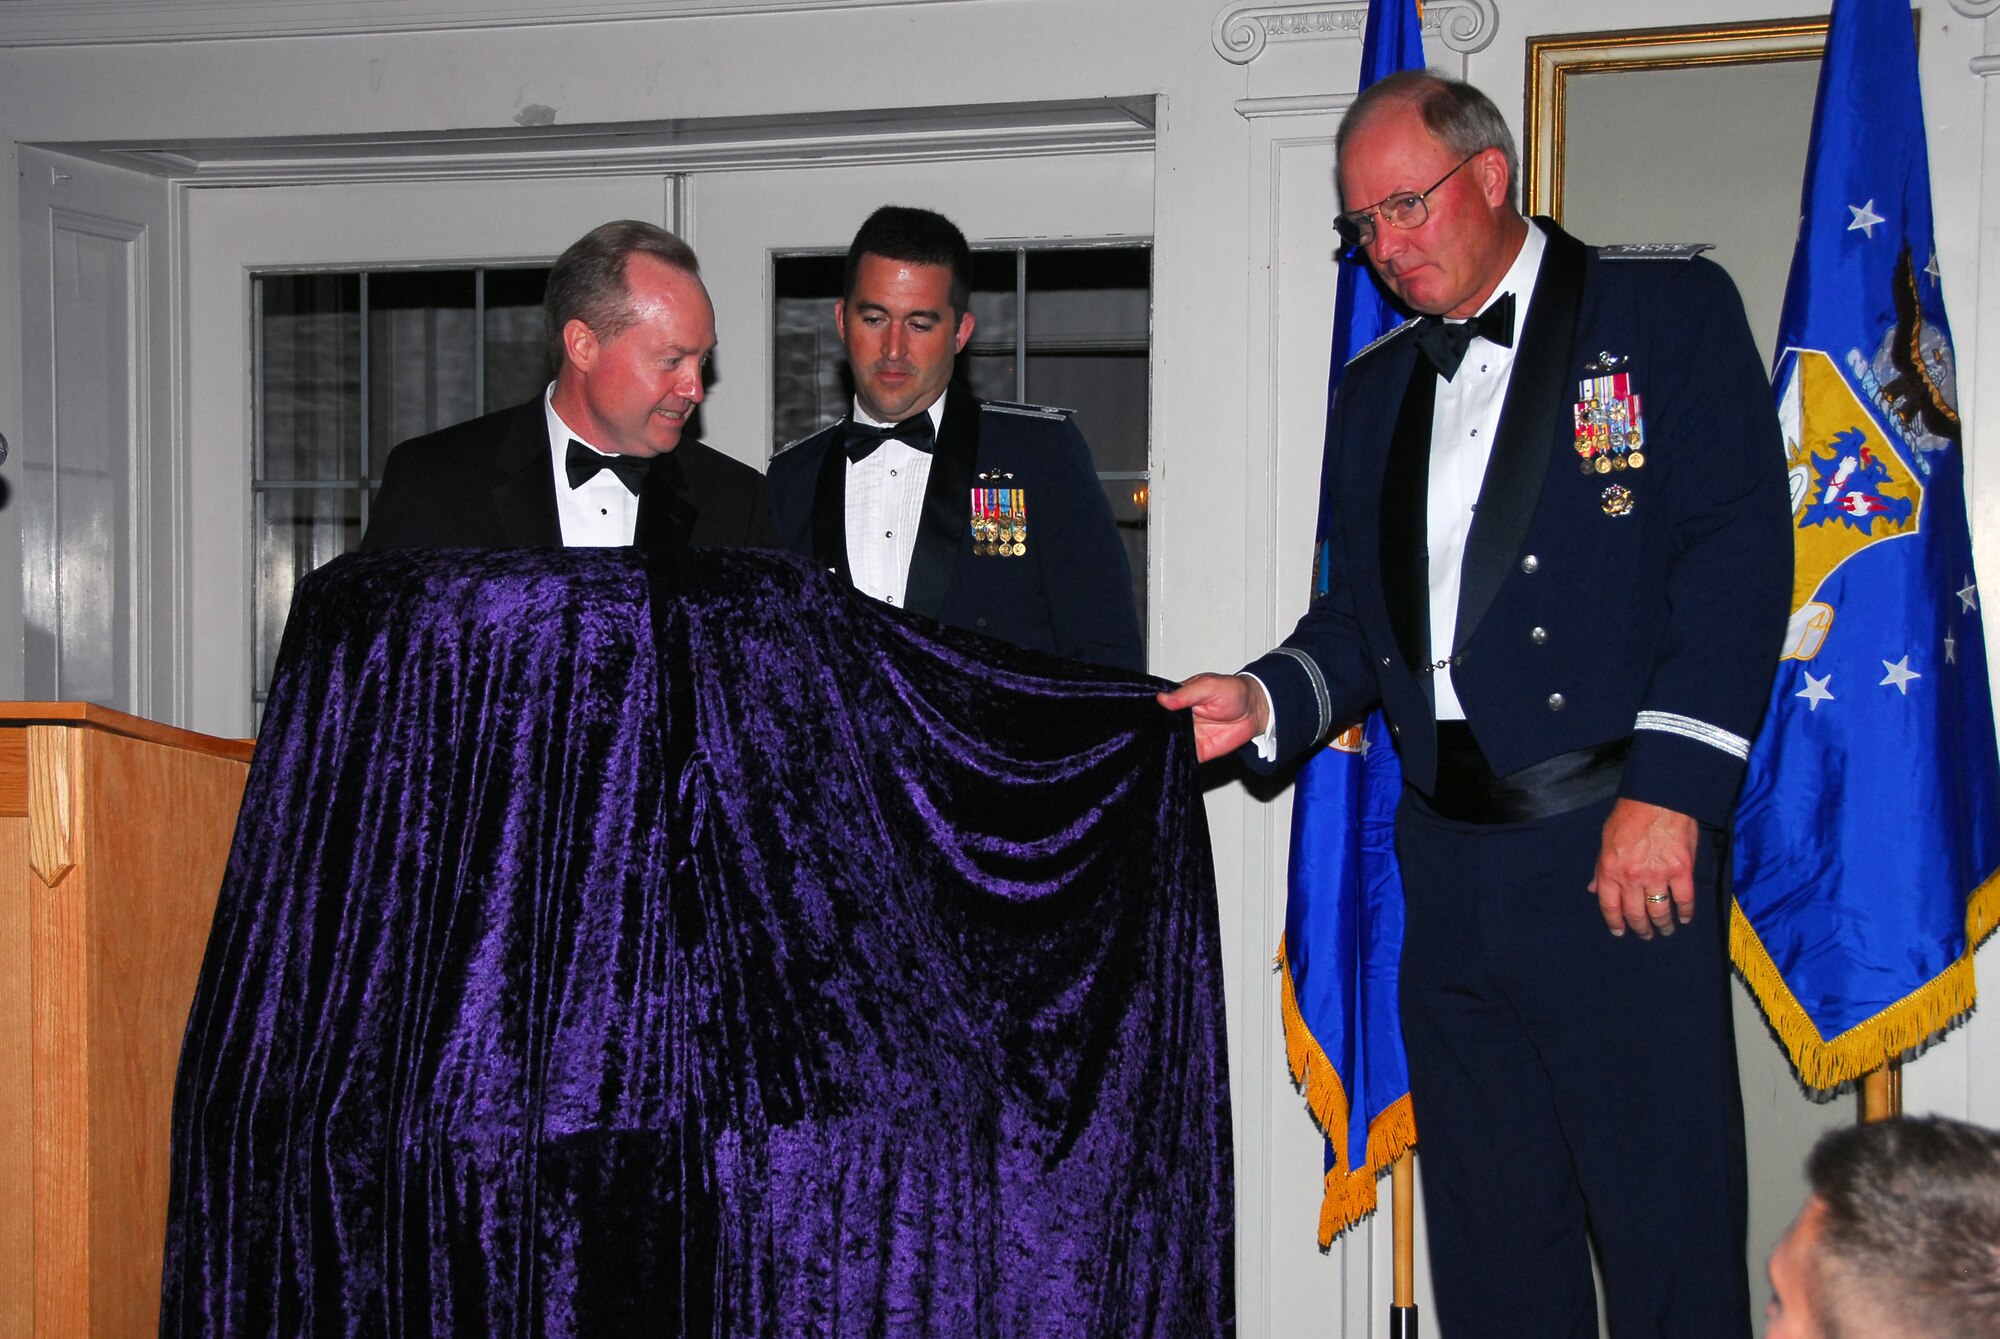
[{"x": 612, "y": 948}]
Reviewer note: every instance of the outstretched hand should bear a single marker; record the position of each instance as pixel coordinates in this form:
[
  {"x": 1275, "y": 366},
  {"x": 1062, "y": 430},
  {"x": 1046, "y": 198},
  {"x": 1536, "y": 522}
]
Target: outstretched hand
[{"x": 1229, "y": 711}]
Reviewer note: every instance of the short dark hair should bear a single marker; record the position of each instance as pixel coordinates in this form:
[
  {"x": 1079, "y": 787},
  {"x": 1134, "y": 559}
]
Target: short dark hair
[
  {"x": 1462, "y": 118},
  {"x": 915, "y": 237},
  {"x": 1912, "y": 1225},
  {"x": 587, "y": 282}
]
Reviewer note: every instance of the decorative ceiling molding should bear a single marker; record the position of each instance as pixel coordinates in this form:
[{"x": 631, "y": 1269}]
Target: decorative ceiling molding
[
  {"x": 36, "y": 23},
  {"x": 1242, "y": 31},
  {"x": 722, "y": 144}
]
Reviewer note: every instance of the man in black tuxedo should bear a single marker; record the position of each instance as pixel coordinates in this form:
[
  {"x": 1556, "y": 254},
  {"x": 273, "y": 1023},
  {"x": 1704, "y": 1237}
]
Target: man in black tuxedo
[
  {"x": 1561, "y": 564},
  {"x": 984, "y": 515},
  {"x": 598, "y": 458}
]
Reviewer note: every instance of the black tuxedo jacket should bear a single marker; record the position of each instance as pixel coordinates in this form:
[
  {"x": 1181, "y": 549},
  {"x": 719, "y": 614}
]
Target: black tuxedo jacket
[
  {"x": 488, "y": 483},
  {"x": 1647, "y": 602},
  {"x": 1070, "y": 592}
]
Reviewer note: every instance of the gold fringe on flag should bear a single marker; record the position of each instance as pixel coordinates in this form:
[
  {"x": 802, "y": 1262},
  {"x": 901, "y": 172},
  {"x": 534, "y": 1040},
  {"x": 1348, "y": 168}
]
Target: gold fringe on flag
[
  {"x": 1349, "y": 1194},
  {"x": 1925, "y": 1012}
]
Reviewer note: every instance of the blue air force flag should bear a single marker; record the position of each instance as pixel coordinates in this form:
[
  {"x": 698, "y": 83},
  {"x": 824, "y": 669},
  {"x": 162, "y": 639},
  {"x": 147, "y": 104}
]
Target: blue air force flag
[
  {"x": 1868, "y": 834},
  {"x": 1344, "y": 897}
]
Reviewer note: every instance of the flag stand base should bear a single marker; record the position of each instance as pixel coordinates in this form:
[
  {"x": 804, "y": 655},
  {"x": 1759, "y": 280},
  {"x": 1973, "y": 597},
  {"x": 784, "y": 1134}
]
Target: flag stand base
[{"x": 1402, "y": 1322}]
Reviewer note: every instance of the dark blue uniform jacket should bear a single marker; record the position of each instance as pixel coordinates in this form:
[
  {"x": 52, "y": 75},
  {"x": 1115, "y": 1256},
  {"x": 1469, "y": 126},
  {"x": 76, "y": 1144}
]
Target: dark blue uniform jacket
[
  {"x": 1585, "y": 615},
  {"x": 1068, "y": 592}
]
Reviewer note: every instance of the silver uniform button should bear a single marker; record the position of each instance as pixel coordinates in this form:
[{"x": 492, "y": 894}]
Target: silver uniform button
[
  {"x": 1531, "y": 564},
  {"x": 1556, "y": 702},
  {"x": 1538, "y": 635}
]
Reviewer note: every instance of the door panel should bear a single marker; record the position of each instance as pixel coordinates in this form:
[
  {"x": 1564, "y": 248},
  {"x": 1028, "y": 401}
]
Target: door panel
[{"x": 97, "y": 514}]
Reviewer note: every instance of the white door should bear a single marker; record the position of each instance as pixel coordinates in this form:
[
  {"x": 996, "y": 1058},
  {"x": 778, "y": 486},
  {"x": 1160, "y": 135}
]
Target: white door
[
  {"x": 93, "y": 459},
  {"x": 234, "y": 234}
]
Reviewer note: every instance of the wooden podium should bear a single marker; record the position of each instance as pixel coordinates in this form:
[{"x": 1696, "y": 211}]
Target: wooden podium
[{"x": 113, "y": 836}]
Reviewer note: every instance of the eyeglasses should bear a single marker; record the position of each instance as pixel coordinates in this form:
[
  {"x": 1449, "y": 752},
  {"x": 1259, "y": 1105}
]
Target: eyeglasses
[{"x": 1407, "y": 210}]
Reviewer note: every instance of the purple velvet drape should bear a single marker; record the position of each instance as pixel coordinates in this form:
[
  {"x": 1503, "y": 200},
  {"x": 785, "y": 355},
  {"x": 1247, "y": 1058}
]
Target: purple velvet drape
[{"x": 610, "y": 949}]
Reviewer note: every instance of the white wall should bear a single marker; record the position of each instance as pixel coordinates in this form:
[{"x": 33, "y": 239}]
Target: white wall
[{"x": 1242, "y": 280}]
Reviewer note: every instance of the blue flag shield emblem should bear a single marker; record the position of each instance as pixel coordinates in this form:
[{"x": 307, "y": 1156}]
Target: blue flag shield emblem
[{"x": 1868, "y": 835}]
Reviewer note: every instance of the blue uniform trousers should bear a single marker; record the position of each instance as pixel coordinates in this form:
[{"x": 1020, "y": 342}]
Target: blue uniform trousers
[{"x": 1569, "y": 1084}]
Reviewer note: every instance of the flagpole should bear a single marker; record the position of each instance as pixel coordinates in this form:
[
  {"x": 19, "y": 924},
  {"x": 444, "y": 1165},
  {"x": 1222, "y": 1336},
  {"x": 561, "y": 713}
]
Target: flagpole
[
  {"x": 1402, "y": 1182},
  {"x": 1882, "y": 1093}
]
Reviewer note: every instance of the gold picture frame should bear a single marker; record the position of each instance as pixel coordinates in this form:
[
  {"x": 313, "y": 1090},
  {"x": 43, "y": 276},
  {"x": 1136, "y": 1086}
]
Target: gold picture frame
[{"x": 1554, "y": 59}]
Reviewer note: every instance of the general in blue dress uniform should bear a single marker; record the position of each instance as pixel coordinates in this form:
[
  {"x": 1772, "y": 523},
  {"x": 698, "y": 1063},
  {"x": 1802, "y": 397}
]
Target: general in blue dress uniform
[
  {"x": 1561, "y": 564},
  {"x": 983, "y": 515}
]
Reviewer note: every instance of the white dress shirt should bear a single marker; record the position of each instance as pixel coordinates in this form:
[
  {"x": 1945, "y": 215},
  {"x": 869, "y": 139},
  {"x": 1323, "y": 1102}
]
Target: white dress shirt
[
  {"x": 1466, "y": 416},
  {"x": 885, "y": 504},
  {"x": 1463, "y": 421},
  {"x": 603, "y": 513}
]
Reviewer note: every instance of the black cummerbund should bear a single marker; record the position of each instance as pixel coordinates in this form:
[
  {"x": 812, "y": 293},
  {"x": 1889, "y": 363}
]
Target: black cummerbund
[{"x": 1468, "y": 792}]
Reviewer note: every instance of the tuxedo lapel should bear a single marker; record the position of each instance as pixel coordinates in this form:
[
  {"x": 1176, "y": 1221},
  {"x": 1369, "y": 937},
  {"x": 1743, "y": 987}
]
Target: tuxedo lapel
[
  {"x": 665, "y": 524},
  {"x": 1406, "y": 585},
  {"x": 829, "y": 510},
  {"x": 525, "y": 498},
  {"x": 1518, "y": 469},
  {"x": 947, "y": 502}
]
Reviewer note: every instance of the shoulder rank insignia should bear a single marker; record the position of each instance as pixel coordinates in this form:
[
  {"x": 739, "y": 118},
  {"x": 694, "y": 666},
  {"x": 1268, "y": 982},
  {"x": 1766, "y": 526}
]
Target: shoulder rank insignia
[
  {"x": 801, "y": 441},
  {"x": 1654, "y": 250},
  {"x": 1042, "y": 411},
  {"x": 1377, "y": 342},
  {"x": 1610, "y": 429}
]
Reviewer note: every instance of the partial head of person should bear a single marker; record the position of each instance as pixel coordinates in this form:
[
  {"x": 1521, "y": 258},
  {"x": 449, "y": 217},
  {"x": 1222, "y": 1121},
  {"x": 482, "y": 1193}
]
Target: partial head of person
[
  {"x": 631, "y": 329},
  {"x": 1426, "y": 169},
  {"x": 903, "y": 313},
  {"x": 1899, "y": 1239}
]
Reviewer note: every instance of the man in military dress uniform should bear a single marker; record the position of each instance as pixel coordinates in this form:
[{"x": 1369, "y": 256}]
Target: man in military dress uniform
[
  {"x": 1561, "y": 564},
  {"x": 984, "y": 515}
]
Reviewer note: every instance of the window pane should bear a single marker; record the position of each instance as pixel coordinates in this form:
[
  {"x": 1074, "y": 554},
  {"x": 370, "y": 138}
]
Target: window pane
[
  {"x": 808, "y": 367},
  {"x": 297, "y": 530},
  {"x": 518, "y": 366},
  {"x": 420, "y": 355},
  {"x": 1128, "y": 509},
  {"x": 990, "y": 361},
  {"x": 309, "y": 399}
]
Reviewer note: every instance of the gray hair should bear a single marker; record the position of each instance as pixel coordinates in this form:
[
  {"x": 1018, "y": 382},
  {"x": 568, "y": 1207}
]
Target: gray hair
[
  {"x": 587, "y": 282},
  {"x": 1912, "y": 1226},
  {"x": 1462, "y": 118}
]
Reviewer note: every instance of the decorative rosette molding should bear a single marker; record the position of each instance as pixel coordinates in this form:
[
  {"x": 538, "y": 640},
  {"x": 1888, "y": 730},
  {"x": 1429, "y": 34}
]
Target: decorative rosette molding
[
  {"x": 1976, "y": 9},
  {"x": 1242, "y": 31}
]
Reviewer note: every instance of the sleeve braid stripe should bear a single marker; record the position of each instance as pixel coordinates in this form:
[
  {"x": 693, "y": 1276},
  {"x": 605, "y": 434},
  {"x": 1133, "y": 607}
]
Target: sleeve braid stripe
[
  {"x": 1320, "y": 694},
  {"x": 1701, "y": 732}
]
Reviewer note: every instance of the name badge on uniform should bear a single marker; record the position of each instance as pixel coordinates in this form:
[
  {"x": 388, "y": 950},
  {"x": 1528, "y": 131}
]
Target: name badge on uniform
[
  {"x": 1610, "y": 427},
  {"x": 999, "y": 521}
]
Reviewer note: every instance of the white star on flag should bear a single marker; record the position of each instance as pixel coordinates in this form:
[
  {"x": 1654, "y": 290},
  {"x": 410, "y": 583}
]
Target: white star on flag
[
  {"x": 1969, "y": 596},
  {"x": 1932, "y": 270},
  {"x": 1865, "y": 218},
  {"x": 1900, "y": 675},
  {"x": 1815, "y": 691},
  {"x": 1950, "y": 649}
]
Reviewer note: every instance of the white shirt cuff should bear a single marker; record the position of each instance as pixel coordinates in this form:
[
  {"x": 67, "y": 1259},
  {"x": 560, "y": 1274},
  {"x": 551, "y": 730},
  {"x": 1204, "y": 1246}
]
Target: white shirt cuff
[{"x": 1266, "y": 744}]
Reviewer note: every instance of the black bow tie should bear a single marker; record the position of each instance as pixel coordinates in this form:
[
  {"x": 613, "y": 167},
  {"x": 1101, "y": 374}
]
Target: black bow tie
[
  {"x": 584, "y": 463},
  {"x": 859, "y": 440},
  {"x": 1445, "y": 342}
]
